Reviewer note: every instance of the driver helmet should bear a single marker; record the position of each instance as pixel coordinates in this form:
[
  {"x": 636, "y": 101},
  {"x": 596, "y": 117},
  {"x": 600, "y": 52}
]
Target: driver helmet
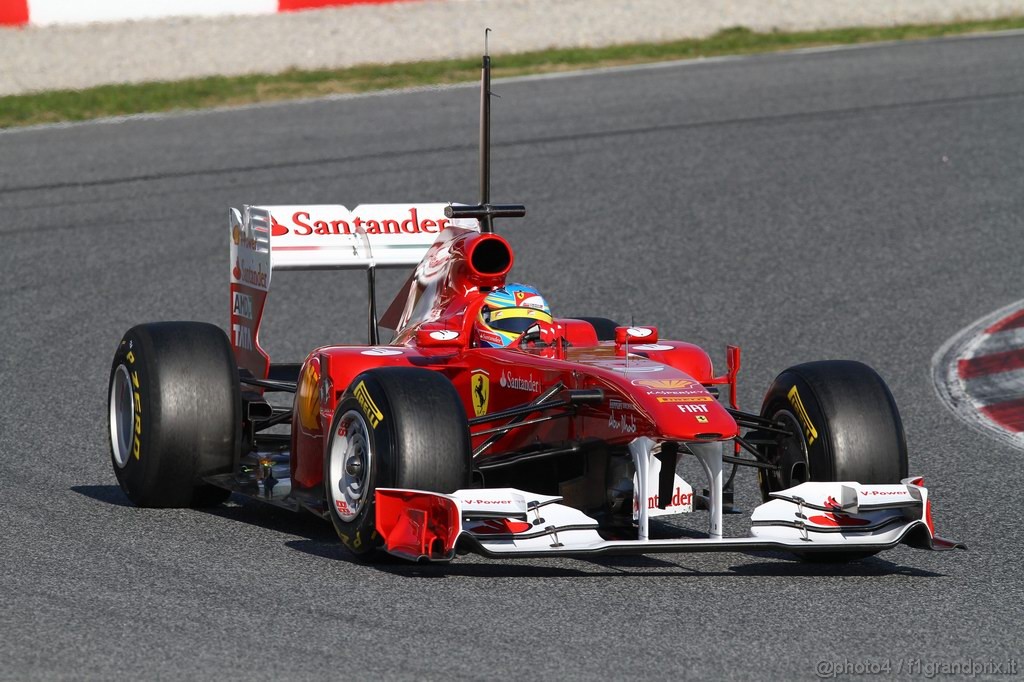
[{"x": 507, "y": 313}]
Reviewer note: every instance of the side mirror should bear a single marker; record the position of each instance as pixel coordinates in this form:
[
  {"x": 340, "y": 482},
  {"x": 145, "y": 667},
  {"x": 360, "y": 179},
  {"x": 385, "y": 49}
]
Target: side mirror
[
  {"x": 440, "y": 338},
  {"x": 624, "y": 335}
]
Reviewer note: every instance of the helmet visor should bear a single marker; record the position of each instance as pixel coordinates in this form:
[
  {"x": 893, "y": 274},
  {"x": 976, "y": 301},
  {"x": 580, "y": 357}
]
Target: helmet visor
[{"x": 516, "y": 320}]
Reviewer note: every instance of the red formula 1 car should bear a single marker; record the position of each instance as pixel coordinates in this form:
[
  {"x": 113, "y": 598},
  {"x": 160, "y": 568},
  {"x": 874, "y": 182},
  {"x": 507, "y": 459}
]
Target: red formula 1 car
[{"x": 486, "y": 424}]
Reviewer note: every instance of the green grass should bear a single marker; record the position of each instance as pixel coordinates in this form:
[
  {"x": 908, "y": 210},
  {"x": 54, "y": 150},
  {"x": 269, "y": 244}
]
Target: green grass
[{"x": 116, "y": 100}]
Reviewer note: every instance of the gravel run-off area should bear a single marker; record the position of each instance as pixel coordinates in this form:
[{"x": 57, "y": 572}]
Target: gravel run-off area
[{"x": 73, "y": 57}]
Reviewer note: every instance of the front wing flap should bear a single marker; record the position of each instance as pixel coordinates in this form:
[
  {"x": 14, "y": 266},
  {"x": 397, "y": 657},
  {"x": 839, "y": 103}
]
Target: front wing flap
[{"x": 505, "y": 522}]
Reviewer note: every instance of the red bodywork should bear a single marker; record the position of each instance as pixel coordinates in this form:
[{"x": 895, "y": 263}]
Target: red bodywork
[{"x": 655, "y": 388}]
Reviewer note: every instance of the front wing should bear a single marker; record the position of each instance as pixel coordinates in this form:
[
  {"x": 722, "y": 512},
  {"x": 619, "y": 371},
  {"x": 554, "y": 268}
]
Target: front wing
[{"x": 810, "y": 518}]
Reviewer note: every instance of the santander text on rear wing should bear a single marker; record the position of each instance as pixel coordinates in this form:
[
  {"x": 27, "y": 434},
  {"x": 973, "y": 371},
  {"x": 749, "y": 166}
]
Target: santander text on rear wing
[{"x": 320, "y": 237}]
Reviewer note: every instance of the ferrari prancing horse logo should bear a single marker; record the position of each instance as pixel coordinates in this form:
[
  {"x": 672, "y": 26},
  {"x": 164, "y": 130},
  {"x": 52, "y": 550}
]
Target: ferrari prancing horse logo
[{"x": 481, "y": 392}]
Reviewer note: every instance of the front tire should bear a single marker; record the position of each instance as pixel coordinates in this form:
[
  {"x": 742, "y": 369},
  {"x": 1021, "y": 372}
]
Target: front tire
[
  {"x": 396, "y": 427},
  {"x": 845, "y": 425},
  {"x": 174, "y": 404}
]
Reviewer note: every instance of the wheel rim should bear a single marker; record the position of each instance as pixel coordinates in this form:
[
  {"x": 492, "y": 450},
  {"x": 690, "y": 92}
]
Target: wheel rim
[
  {"x": 122, "y": 416},
  {"x": 791, "y": 453},
  {"x": 351, "y": 459}
]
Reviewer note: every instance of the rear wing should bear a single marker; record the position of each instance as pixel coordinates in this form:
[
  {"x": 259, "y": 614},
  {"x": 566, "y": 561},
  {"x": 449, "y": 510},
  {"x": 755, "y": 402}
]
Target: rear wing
[{"x": 323, "y": 237}]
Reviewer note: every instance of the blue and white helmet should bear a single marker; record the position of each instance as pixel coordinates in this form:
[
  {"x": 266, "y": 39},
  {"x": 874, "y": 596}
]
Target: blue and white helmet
[{"x": 507, "y": 312}]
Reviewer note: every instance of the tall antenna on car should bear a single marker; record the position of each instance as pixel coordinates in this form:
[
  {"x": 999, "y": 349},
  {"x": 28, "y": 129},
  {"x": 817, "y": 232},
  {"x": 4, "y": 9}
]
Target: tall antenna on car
[
  {"x": 485, "y": 133},
  {"x": 485, "y": 211}
]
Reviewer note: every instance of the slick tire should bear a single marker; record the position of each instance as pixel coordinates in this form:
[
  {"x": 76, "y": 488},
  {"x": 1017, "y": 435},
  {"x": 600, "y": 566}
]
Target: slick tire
[
  {"x": 175, "y": 413},
  {"x": 845, "y": 426},
  {"x": 395, "y": 427},
  {"x": 604, "y": 327}
]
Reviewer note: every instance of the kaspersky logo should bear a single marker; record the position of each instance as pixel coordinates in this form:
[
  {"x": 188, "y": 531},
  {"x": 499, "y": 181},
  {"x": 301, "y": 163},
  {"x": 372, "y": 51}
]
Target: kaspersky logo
[{"x": 302, "y": 225}]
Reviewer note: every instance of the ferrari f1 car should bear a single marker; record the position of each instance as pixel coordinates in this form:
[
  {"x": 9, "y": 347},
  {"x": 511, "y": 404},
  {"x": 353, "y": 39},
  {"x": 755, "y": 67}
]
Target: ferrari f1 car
[{"x": 486, "y": 424}]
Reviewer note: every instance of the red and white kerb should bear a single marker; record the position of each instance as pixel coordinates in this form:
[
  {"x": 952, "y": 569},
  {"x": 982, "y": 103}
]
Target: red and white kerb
[{"x": 980, "y": 374}]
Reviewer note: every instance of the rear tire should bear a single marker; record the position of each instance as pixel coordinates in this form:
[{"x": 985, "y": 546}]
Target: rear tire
[
  {"x": 845, "y": 425},
  {"x": 175, "y": 413},
  {"x": 396, "y": 427}
]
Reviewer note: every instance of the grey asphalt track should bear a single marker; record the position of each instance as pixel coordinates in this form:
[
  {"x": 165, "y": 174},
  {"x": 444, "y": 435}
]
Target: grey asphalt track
[{"x": 862, "y": 204}]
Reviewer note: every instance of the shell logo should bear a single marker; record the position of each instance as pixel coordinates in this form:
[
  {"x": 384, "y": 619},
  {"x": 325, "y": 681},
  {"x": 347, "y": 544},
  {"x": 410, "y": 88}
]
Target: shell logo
[
  {"x": 665, "y": 384},
  {"x": 308, "y": 397}
]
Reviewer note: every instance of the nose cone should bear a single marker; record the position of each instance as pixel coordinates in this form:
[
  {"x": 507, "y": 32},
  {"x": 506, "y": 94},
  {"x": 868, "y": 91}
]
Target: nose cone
[{"x": 682, "y": 409}]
